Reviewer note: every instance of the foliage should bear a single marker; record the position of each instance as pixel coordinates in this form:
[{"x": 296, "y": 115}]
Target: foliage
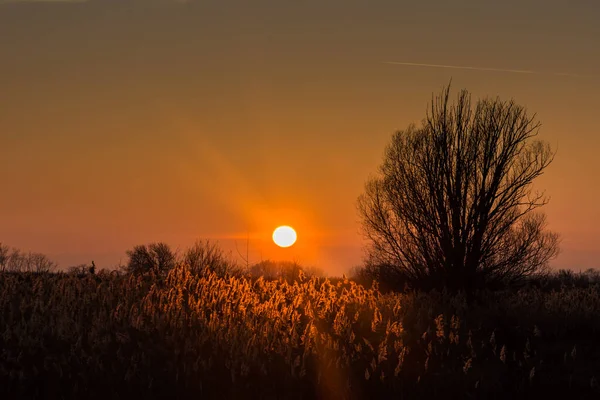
[
  {"x": 203, "y": 336},
  {"x": 452, "y": 205}
]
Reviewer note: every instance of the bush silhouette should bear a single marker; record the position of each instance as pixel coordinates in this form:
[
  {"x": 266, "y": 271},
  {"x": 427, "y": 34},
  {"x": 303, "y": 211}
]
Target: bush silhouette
[{"x": 155, "y": 257}]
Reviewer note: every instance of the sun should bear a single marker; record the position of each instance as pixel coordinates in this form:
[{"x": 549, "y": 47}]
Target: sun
[{"x": 284, "y": 236}]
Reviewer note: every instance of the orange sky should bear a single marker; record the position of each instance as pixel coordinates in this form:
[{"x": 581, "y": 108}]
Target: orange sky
[{"x": 125, "y": 122}]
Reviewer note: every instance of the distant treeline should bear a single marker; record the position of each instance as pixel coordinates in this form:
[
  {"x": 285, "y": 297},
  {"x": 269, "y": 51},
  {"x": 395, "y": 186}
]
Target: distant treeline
[
  {"x": 205, "y": 256},
  {"x": 15, "y": 260}
]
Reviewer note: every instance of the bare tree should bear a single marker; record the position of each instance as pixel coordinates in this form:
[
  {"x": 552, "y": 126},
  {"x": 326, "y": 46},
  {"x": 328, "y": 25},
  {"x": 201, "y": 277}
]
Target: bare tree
[
  {"x": 289, "y": 270},
  {"x": 37, "y": 262},
  {"x": 155, "y": 257},
  {"x": 14, "y": 260},
  {"x": 452, "y": 204},
  {"x": 77, "y": 269},
  {"x": 82, "y": 269},
  {"x": 208, "y": 256},
  {"x": 4, "y": 256},
  {"x": 17, "y": 261}
]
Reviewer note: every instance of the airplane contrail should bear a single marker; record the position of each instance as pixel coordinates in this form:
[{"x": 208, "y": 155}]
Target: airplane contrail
[{"x": 515, "y": 71}]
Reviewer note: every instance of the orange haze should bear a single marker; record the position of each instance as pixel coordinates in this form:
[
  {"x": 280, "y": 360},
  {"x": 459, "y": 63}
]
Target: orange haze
[{"x": 128, "y": 122}]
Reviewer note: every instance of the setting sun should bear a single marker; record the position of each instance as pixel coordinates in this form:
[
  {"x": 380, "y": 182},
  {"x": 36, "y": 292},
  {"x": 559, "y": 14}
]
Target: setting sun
[{"x": 284, "y": 236}]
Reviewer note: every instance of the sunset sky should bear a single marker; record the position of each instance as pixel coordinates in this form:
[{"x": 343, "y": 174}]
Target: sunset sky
[{"x": 124, "y": 122}]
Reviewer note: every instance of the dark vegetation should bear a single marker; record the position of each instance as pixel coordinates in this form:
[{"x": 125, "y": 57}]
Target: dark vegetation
[
  {"x": 452, "y": 206},
  {"x": 455, "y": 299},
  {"x": 15, "y": 260},
  {"x": 117, "y": 335}
]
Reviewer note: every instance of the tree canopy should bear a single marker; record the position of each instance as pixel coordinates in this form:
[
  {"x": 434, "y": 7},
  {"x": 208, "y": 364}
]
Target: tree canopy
[{"x": 452, "y": 204}]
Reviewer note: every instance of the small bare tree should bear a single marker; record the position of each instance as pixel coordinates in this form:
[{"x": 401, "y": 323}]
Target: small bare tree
[
  {"x": 38, "y": 262},
  {"x": 269, "y": 269},
  {"x": 17, "y": 261},
  {"x": 155, "y": 257},
  {"x": 14, "y": 260},
  {"x": 83, "y": 269},
  {"x": 206, "y": 256},
  {"x": 4, "y": 256},
  {"x": 452, "y": 204}
]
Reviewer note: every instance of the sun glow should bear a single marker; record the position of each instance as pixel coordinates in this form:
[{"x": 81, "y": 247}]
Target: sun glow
[{"x": 284, "y": 236}]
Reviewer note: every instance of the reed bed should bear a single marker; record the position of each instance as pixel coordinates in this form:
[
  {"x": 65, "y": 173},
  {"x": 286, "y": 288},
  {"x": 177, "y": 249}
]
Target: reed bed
[{"x": 208, "y": 336}]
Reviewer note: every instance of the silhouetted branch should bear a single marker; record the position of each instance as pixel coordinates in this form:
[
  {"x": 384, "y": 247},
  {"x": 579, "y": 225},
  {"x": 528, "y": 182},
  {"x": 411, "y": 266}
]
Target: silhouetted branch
[{"x": 452, "y": 202}]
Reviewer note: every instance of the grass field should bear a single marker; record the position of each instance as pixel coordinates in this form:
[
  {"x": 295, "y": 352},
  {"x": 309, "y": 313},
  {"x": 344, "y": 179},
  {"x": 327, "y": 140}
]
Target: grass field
[{"x": 183, "y": 336}]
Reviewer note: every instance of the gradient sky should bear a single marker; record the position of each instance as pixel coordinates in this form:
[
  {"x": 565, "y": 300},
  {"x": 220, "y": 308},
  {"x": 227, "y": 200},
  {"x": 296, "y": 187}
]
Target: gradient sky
[{"x": 125, "y": 122}]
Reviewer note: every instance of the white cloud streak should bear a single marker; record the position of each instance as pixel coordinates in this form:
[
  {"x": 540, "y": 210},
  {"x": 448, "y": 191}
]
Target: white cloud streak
[
  {"x": 42, "y": 1},
  {"x": 514, "y": 71},
  {"x": 86, "y": 1}
]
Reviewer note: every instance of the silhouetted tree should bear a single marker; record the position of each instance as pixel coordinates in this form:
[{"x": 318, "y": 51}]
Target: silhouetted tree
[
  {"x": 14, "y": 260},
  {"x": 206, "y": 256},
  {"x": 17, "y": 261},
  {"x": 452, "y": 204},
  {"x": 313, "y": 271},
  {"x": 155, "y": 257},
  {"x": 289, "y": 270},
  {"x": 80, "y": 269},
  {"x": 4, "y": 256},
  {"x": 38, "y": 262},
  {"x": 83, "y": 269}
]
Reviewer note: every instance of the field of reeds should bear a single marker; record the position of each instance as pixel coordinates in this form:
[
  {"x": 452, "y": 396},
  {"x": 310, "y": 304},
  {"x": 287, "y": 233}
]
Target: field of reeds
[{"x": 182, "y": 336}]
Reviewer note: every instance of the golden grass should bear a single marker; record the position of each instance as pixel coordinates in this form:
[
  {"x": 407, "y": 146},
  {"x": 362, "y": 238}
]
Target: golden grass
[{"x": 212, "y": 336}]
